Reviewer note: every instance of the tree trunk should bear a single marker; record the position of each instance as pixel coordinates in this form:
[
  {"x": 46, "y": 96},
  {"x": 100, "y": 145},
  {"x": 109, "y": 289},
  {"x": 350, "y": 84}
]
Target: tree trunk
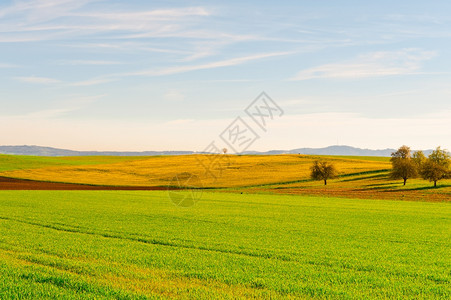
[
  {"x": 435, "y": 183},
  {"x": 405, "y": 180},
  {"x": 325, "y": 181}
]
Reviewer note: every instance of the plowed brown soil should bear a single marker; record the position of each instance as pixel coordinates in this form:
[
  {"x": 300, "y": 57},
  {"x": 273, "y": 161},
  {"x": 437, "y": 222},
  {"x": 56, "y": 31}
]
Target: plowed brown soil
[{"x": 7, "y": 183}]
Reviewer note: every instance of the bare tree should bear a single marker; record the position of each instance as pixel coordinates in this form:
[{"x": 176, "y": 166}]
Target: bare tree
[
  {"x": 403, "y": 165},
  {"x": 323, "y": 170},
  {"x": 437, "y": 166}
]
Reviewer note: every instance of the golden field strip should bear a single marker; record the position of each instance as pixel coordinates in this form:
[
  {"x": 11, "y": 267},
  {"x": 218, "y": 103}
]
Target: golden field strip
[
  {"x": 360, "y": 177},
  {"x": 239, "y": 171}
]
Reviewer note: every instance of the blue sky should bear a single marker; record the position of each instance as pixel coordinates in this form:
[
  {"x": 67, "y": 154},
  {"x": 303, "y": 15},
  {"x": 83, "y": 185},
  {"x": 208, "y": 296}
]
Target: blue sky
[{"x": 171, "y": 75}]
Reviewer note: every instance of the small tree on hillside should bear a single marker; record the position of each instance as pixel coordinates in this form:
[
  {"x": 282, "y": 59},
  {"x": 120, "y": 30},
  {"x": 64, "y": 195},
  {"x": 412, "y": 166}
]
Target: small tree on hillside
[
  {"x": 323, "y": 170},
  {"x": 403, "y": 165},
  {"x": 437, "y": 166}
]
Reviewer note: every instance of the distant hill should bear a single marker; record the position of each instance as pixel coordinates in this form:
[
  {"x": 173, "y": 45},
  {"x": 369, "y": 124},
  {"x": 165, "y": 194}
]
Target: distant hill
[
  {"x": 49, "y": 151},
  {"x": 331, "y": 150}
]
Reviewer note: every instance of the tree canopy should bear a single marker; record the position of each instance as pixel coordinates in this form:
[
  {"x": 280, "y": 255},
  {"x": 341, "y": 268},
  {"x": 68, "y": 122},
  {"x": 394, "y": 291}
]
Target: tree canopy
[
  {"x": 323, "y": 170},
  {"x": 403, "y": 165},
  {"x": 419, "y": 158},
  {"x": 436, "y": 166}
]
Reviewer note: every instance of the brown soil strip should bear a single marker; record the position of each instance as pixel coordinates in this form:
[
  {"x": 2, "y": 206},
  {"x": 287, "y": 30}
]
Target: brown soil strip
[
  {"x": 411, "y": 195},
  {"x": 7, "y": 183}
]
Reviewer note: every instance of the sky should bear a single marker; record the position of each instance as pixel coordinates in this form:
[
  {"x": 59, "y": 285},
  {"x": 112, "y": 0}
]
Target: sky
[{"x": 174, "y": 75}]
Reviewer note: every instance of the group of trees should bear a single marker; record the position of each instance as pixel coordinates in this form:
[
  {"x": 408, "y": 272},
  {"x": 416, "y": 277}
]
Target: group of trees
[{"x": 406, "y": 165}]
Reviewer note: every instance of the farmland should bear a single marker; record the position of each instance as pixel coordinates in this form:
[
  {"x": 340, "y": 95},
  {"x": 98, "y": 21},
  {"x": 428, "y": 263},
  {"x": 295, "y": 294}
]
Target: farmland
[
  {"x": 124, "y": 245},
  {"x": 262, "y": 229},
  {"x": 159, "y": 170},
  {"x": 359, "y": 177}
]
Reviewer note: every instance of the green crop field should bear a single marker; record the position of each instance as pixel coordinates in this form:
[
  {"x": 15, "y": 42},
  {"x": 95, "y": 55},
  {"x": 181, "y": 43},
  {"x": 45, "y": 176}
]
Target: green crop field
[
  {"x": 24, "y": 162},
  {"x": 132, "y": 245}
]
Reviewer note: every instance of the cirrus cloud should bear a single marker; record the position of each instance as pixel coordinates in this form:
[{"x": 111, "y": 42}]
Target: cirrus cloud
[
  {"x": 376, "y": 64},
  {"x": 38, "y": 80}
]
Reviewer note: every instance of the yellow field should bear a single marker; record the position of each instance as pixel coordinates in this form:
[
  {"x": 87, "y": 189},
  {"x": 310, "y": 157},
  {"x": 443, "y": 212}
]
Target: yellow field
[
  {"x": 359, "y": 177},
  {"x": 223, "y": 171}
]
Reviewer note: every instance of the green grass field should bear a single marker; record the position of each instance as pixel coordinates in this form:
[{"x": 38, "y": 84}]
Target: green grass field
[
  {"x": 24, "y": 162},
  {"x": 127, "y": 245}
]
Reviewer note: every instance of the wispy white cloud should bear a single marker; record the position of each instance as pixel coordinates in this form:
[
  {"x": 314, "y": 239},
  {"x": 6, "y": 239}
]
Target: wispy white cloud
[
  {"x": 39, "y": 16},
  {"x": 43, "y": 8},
  {"x": 33, "y": 21},
  {"x": 211, "y": 65},
  {"x": 140, "y": 16},
  {"x": 45, "y": 80},
  {"x": 183, "y": 69},
  {"x": 128, "y": 46},
  {"x": 376, "y": 64},
  {"x": 38, "y": 80},
  {"x": 90, "y": 62},
  {"x": 63, "y": 107},
  {"x": 95, "y": 81}
]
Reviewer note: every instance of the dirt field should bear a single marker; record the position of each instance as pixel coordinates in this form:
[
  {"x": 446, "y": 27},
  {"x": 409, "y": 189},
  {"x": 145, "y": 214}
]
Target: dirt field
[{"x": 21, "y": 184}]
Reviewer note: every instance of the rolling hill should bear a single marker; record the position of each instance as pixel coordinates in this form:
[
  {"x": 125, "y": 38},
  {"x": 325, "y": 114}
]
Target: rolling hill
[{"x": 331, "y": 150}]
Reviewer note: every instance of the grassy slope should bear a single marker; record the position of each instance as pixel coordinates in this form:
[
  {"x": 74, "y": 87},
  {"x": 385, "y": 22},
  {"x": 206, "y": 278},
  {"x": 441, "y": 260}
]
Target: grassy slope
[{"x": 137, "y": 244}]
